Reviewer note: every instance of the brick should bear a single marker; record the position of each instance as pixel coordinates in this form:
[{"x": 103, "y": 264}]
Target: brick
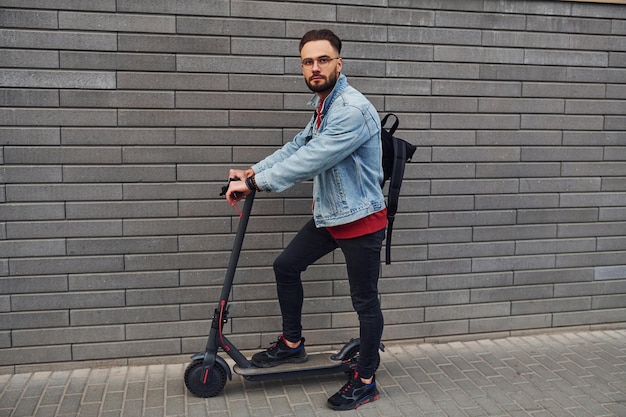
[
  {"x": 126, "y": 99},
  {"x": 51, "y": 229},
  {"x": 57, "y": 117},
  {"x": 122, "y": 61},
  {"x": 479, "y": 54},
  {"x": 430, "y": 104},
  {"x": 57, "y": 40},
  {"x": 480, "y": 20},
  {"x": 432, "y": 70},
  {"x": 90, "y": 282},
  {"x": 160, "y": 191},
  {"x": 163, "y": 118},
  {"x": 61, "y": 155},
  {"x": 566, "y": 58},
  {"x": 29, "y": 136},
  {"x": 229, "y": 64},
  {"x": 30, "y": 355},
  {"x": 50, "y": 283},
  {"x": 14, "y": 97},
  {"x": 126, "y": 209},
  {"x": 588, "y": 259},
  {"x": 467, "y": 311},
  {"x": 535, "y": 216},
  {"x": 362, "y": 14},
  {"x": 609, "y": 75},
  {"x": 560, "y": 185},
  {"x": 31, "y": 174},
  {"x": 475, "y": 154},
  {"x": 229, "y": 27},
  {"x": 104, "y": 5},
  {"x": 107, "y": 316},
  {"x": 568, "y": 25},
  {"x": 41, "y": 266},
  {"x": 523, "y": 73},
  {"x": 536, "y": 321},
  {"x": 455, "y": 187},
  {"x": 281, "y": 10},
  {"x": 524, "y": 170},
  {"x": 585, "y": 229},
  {"x": 531, "y": 247},
  {"x": 118, "y": 136},
  {"x": 563, "y": 90},
  {"x": 229, "y": 100},
  {"x": 57, "y": 79},
  {"x": 553, "y": 275},
  {"x": 63, "y": 192},
  {"x": 28, "y": 58},
  {"x": 481, "y": 280},
  {"x": 591, "y": 138},
  {"x": 125, "y": 173},
  {"x": 609, "y": 272},
  {"x": 60, "y": 336},
  {"x": 520, "y": 105},
  {"x": 497, "y": 233},
  {"x": 592, "y": 199},
  {"x": 171, "y": 81},
  {"x": 36, "y": 19},
  {"x": 473, "y": 88},
  {"x": 589, "y": 317},
  {"x": 56, "y": 301},
  {"x": 597, "y": 107},
  {"x": 193, "y": 7},
  {"x": 112, "y": 246},
  {"x": 133, "y": 349},
  {"x": 117, "y": 22},
  {"x": 173, "y": 43},
  {"x": 148, "y": 227},
  {"x": 562, "y": 122},
  {"x": 615, "y": 123},
  {"x": 477, "y": 121},
  {"x": 32, "y": 248},
  {"x": 470, "y": 250}
]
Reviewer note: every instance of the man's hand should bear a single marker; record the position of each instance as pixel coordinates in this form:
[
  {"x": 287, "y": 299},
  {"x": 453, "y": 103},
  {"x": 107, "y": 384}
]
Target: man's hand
[{"x": 237, "y": 190}]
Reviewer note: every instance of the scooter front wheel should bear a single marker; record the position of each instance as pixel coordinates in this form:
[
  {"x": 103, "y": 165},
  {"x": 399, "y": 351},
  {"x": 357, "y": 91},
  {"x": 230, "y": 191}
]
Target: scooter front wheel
[{"x": 215, "y": 381}]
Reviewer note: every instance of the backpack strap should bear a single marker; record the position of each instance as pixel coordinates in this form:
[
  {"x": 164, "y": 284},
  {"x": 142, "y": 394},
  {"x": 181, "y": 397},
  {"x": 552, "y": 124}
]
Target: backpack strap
[
  {"x": 395, "y": 124},
  {"x": 400, "y": 158}
]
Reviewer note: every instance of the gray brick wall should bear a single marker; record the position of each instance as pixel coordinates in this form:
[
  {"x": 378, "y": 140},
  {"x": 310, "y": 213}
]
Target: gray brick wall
[{"x": 119, "y": 120}]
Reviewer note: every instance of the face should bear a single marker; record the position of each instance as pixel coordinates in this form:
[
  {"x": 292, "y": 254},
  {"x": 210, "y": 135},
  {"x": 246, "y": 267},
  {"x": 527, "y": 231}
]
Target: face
[{"x": 320, "y": 79}]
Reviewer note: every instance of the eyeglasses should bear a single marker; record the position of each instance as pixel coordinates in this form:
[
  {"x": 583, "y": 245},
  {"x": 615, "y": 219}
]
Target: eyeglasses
[{"x": 322, "y": 61}]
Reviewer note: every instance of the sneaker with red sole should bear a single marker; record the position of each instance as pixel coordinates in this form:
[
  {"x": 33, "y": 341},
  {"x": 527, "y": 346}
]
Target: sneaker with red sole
[{"x": 354, "y": 394}]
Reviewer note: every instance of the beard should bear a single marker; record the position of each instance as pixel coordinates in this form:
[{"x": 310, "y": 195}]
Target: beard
[{"x": 327, "y": 85}]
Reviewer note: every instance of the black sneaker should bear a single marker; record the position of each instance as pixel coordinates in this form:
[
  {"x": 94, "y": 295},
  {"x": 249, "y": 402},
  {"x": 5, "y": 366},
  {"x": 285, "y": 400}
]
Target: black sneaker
[
  {"x": 280, "y": 353},
  {"x": 354, "y": 394}
]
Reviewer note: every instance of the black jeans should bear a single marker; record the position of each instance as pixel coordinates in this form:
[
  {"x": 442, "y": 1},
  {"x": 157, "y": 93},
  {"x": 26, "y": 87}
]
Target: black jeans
[{"x": 363, "y": 263}]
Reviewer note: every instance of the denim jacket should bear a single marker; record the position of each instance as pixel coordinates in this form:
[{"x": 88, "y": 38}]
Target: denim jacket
[{"x": 343, "y": 157}]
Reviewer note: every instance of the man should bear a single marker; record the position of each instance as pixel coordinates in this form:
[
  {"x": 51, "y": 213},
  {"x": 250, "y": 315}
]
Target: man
[{"x": 340, "y": 149}]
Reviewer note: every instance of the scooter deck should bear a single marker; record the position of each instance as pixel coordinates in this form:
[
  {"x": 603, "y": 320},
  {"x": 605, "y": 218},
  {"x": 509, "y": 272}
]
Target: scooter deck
[{"x": 322, "y": 360}]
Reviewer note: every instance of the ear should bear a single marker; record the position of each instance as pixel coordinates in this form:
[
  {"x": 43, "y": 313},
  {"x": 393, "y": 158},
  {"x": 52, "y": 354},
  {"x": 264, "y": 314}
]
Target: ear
[{"x": 339, "y": 64}]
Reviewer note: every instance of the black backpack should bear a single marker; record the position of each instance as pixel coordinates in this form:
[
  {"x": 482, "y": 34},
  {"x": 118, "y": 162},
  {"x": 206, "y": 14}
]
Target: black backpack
[{"x": 396, "y": 153}]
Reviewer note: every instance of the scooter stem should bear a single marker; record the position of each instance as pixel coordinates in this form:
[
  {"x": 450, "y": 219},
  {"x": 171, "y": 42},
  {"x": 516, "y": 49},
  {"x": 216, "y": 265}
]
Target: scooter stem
[{"x": 234, "y": 255}]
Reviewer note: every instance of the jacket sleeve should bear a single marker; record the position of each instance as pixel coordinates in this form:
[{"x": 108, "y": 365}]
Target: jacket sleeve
[{"x": 342, "y": 135}]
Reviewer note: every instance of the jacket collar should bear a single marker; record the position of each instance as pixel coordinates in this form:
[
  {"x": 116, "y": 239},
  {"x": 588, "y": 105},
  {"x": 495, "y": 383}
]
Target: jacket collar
[{"x": 342, "y": 83}]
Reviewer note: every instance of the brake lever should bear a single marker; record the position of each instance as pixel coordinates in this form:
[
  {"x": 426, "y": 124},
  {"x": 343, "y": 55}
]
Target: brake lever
[{"x": 236, "y": 194}]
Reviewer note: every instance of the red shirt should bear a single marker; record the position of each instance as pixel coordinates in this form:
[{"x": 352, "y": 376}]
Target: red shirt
[{"x": 370, "y": 224}]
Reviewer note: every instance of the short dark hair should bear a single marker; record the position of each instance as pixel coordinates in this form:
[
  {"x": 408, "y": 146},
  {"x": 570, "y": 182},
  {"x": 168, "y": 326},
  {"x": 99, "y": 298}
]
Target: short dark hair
[{"x": 321, "y": 35}]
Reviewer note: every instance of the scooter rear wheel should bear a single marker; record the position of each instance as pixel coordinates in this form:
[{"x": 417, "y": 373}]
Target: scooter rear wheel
[
  {"x": 194, "y": 377},
  {"x": 353, "y": 356}
]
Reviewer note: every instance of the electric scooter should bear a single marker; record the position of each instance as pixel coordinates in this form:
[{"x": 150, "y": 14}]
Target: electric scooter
[{"x": 207, "y": 374}]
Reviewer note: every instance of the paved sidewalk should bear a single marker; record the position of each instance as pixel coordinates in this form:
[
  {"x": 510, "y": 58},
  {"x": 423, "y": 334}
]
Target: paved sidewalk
[{"x": 581, "y": 374}]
